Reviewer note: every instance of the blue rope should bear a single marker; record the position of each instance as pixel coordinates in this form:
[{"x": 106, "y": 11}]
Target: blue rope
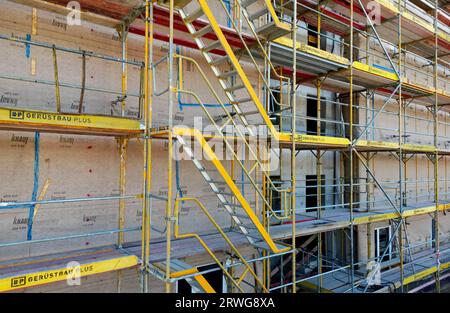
[
  {"x": 37, "y": 138},
  {"x": 28, "y": 47}
]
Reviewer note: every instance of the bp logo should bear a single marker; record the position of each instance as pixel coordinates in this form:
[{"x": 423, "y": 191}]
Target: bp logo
[
  {"x": 16, "y": 115},
  {"x": 18, "y": 281}
]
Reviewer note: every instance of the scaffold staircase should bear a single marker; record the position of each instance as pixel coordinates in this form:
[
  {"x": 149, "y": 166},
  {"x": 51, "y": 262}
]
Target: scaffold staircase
[
  {"x": 264, "y": 18},
  {"x": 229, "y": 195},
  {"x": 237, "y": 86},
  {"x": 243, "y": 97}
]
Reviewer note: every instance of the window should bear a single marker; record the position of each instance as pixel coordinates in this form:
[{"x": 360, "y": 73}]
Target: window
[
  {"x": 382, "y": 237},
  {"x": 311, "y": 112},
  {"x": 312, "y": 187}
]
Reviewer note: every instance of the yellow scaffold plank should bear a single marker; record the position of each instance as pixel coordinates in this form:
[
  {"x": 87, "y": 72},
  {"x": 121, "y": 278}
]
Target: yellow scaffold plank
[
  {"x": 176, "y": 3},
  {"x": 421, "y": 211},
  {"x": 63, "y": 273},
  {"x": 287, "y": 42},
  {"x": 376, "y": 145},
  {"x": 391, "y": 6},
  {"x": 70, "y": 123},
  {"x": 366, "y": 145},
  {"x": 378, "y": 217},
  {"x": 375, "y": 218},
  {"x": 420, "y": 275},
  {"x": 312, "y": 286},
  {"x": 419, "y": 148},
  {"x": 362, "y": 69},
  {"x": 322, "y": 140},
  {"x": 374, "y": 71}
]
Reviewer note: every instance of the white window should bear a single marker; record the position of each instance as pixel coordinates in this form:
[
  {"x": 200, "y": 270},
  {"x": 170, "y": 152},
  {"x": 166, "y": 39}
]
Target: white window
[{"x": 382, "y": 238}]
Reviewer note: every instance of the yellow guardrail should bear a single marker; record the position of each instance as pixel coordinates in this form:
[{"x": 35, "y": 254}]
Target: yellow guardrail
[{"x": 177, "y": 235}]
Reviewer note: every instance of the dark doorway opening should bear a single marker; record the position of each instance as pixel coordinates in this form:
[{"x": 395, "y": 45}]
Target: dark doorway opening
[
  {"x": 312, "y": 187},
  {"x": 311, "y": 112}
]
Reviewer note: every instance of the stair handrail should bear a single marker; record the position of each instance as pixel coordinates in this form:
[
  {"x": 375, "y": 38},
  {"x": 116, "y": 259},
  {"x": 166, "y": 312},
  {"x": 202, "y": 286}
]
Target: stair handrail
[
  {"x": 261, "y": 48},
  {"x": 177, "y": 235},
  {"x": 216, "y": 96}
]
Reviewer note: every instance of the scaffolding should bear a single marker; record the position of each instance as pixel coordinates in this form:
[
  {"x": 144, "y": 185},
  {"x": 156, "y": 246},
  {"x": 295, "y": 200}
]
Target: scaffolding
[{"x": 369, "y": 62}]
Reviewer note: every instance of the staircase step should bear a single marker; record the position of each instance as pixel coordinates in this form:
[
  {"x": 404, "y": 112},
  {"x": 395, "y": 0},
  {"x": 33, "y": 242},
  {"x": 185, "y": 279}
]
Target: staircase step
[
  {"x": 226, "y": 194},
  {"x": 202, "y": 32},
  {"x": 244, "y": 100},
  {"x": 271, "y": 31},
  {"x": 250, "y": 113},
  {"x": 249, "y": 226},
  {"x": 218, "y": 182},
  {"x": 261, "y": 245},
  {"x": 194, "y": 15},
  {"x": 240, "y": 215},
  {"x": 233, "y": 205},
  {"x": 234, "y": 88},
  {"x": 252, "y": 234},
  {"x": 227, "y": 74},
  {"x": 247, "y": 3},
  {"x": 258, "y": 14},
  {"x": 219, "y": 60},
  {"x": 213, "y": 45},
  {"x": 209, "y": 170}
]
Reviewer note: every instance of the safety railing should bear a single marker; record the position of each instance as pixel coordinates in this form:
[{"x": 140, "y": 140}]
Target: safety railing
[
  {"x": 262, "y": 49},
  {"x": 117, "y": 106},
  {"x": 261, "y": 165},
  {"x": 178, "y": 235}
]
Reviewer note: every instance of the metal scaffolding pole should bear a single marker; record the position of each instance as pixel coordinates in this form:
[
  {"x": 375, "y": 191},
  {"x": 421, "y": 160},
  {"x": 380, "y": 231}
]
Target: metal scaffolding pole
[
  {"x": 293, "y": 147},
  {"x": 319, "y": 182},
  {"x": 352, "y": 266},
  {"x": 172, "y": 87},
  {"x": 436, "y": 155},
  {"x": 400, "y": 142},
  {"x": 147, "y": 170},
  {"x": 123, "y": 145}
]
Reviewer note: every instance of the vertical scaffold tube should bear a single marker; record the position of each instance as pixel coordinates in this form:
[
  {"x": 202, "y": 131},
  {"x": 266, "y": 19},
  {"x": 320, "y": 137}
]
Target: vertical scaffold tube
[
  {"x": 293, "y": 154},
  {"x": 352, "y": 278},
  {"x": 436, "y": 156},
  {"x": 319, "y": 182},
  {"x": 148, "y": 76},
  {"x": 123, "y": 143},
  {"x": 168, "y": 286},
  {"x": 400, "y": 142}
]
